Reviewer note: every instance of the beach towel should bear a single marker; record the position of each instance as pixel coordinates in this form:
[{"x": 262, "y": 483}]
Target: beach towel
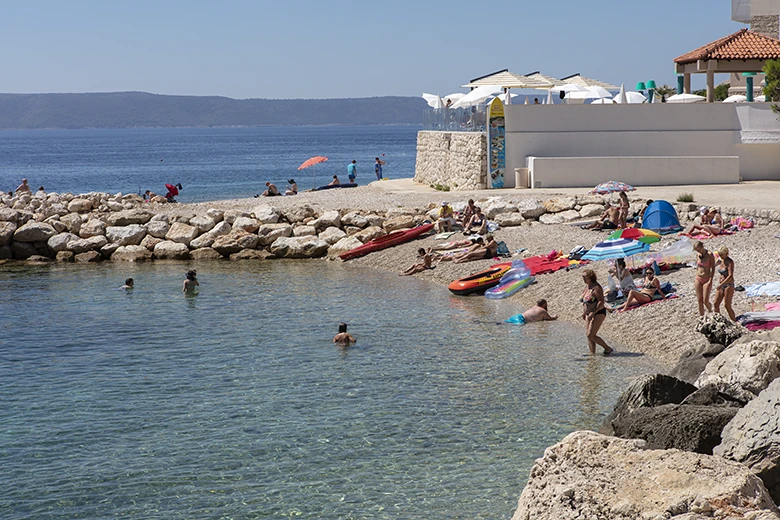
[
  {"x": 443, "y": 236},
  {"x": 542, "y": 264},
  {"x": 657, "y": 299},
  {"x": 772, "y": 306},
  {"x": 762, "y": 325},
  {"x": 766, "y": 288},
  {"x": 705, "y": 236}
]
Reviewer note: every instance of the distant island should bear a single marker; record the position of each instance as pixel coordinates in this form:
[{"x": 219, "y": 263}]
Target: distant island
[{"x": 141, "y": 109}]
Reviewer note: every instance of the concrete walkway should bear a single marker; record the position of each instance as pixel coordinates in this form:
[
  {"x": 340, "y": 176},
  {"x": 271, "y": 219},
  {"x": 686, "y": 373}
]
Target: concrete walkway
[{"x": 748, "y": 195}]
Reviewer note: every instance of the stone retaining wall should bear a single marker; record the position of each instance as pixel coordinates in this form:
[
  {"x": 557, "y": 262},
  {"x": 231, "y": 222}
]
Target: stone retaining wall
[{"x": 456, "y": 160}]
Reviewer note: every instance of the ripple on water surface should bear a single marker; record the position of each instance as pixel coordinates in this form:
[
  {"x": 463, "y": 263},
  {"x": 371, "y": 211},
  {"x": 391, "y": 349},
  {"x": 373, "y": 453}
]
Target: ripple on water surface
[{"x": 235, "y": 403}]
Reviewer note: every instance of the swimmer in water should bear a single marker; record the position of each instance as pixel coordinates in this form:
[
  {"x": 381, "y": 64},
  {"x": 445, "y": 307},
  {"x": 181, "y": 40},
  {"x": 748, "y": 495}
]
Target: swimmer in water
[
  {"x": 537, "y": 313},
  {"x": 128, "y": 284},
  {"x": 191, "y": 282},
  {"x": 343, "y": 337}
]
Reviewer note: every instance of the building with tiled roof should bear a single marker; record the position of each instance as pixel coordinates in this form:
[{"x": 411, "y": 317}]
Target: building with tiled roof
[{"x": 743, "y": 51}]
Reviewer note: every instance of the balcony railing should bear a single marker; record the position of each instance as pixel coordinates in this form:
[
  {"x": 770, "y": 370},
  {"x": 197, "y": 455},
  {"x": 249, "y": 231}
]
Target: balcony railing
[{"x": 471, "y": 119}]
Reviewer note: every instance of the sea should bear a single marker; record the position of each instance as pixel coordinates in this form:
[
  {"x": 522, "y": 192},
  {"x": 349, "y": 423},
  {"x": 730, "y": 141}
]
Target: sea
[{"x": 235, "y": 403}]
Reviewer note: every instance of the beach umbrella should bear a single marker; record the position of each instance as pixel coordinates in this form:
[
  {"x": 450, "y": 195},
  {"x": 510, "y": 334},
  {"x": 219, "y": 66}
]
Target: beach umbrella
[
  {"x": 433, "y": 100},
  {"x": 615, "y": 248},
  {"x": 737, "y": 98},
  {"x": 477, "y": 96},
  {"x": 685, "y": 98},
  {"x": 621, "y": 97},
  {"x": 317, "y": 159},
  {"x": 608, "y": 187},
  {"x": 643, "y": 235}
]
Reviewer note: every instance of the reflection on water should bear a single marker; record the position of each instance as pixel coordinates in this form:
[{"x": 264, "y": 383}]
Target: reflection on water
[{"x": 236, "y": 403}]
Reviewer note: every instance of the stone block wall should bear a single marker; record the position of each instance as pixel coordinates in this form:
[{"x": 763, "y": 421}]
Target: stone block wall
[
  {"x": 457, "y": 160},
  {"x": 768, "y": 25}
]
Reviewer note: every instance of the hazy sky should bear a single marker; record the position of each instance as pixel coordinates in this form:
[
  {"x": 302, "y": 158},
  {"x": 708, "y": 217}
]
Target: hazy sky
[{"x": 340, "y": 48}]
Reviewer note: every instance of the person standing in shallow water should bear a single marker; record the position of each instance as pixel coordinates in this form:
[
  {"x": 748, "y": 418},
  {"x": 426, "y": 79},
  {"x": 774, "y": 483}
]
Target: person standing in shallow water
[
  {"x": 190, "y": 283},
  {"x": 378, "y": 168},
  {"x": 343, "y": 337},
  {"x": 352, "y": 171},
  {"x": 593, "y": 311}
]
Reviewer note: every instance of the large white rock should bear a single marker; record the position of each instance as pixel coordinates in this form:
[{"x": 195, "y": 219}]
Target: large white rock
[
  {"x": 129, "y": 216},
  {"x": 509, "y": 219},
  {"x": 266, "y": 214},
  {"x": 299, "y": 247},
  {"x": 327, "y": 219},
  {"x": 131, "y": 254},
  {"x": 34, "y": 232},
  {"x": 217, "y": 215},
  {"x": 92, "y": 228},
  {"x": 354, "y": 219},
  {"x": 8, "y": 215},
  {"x": 7, "y": 230},
  {"x": 370, "y": 233},
  {"x": 149, "y": 242},
  {"x": 250, "y": 225},
  {"x": 73, "y": 221},
  {"x": 158, "y": 228},
  {"x": 202, "y": 223},
  {"x": 226, "y": 245},
  {"x": 591, "y": 210},
  {"x": 126, "y": 235},
  {"x": 168, "y": 250},
  {"x": 343, "y": 245},
  {"x": 205, "y": 253},
  {"x": 80, "y": 206},
  {"x": 83, "y": 245},
  {"x": 268, "y": 233},
  {"x": 751, "y": 366},
  {"x": 531, "y": 208},
  {"x": 60, "y": 242},
  {"x": 588, "y": 475},
  {"x": 332, "y": 235},
  {"x": 558, "y": 204},
  {"x": 498, "y": 207},
  {"x": 399, "y": 222},
  {"x": 304, "y": 231},
  {"x": 298, "y": 213},
  {"x": 559, "y": 218},
  {"x": 181, "y": 233},
  {"x": 401, "y": 212},
  {"x": 206, "y": 239}
]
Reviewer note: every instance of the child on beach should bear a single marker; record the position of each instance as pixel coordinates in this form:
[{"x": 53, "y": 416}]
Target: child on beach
[
  {"x": 425, "y": 263},
  {"x": 190, "y": 283},
  {"x": 343, "y": 337}
]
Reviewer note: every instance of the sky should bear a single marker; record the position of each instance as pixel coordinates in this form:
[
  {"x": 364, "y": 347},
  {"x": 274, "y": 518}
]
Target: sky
[{"x": 341, "y": 48}]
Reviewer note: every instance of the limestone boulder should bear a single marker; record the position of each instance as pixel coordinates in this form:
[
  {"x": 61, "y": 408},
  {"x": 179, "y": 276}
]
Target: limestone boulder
[
  {"x": 332, "y": 235},
  {"x": 63, "y": 256},
  {"x": 184, "y": 219},
  {"x": 375, "y": 220},
  {"x": 226, "y": 245},
  {"x": 750, "y": 366},
  {"x": 129, "y": 216},
  {"x": 8, "y": 215},
  {"x": 221, "y": 228},
  {"x": 34, "y": 232},
  {"x": 326, "y": 220},
  {"x": 149, "y": 242},
  {"x": 647, "y": 391},
  {"x": 266, "y": 214},
  {"x": 80, "y": 206},
  {"x": 157, "y": 228},
  {"x": 354, "y": 219},
  {"x": 169, "y": 250},
  {"x": 126, "y": 235},
  {"x": 73, "y": 221},
  {"x": 205, "y": 253},
  {"x": 114, "y": 206},
  {"x": 719, "y": 329},
  {"x": 231, "y": 215},
  {"x": 162, "y": 217},
  {"x": 207, "y": 239},
  {"x": 298, "y": 213},
  {"x": 181, "y": 233},
  {"x": 251, "y": 254},
  {"x": 299, "y": 247},
  {"x": 558, "y": 204},
  {"x": 131, "y": 254},
  {"x": 344, "y": 245},
  {"x": 39, "y": 259},
  {"x": 591, "y": 476},
  {"x": 401, "y": 212},
  {"x": 83, "y": 245},
  {"x": 498, "y": 207},
  {"x": 247, "y": 224},
  {"x": 370, "y": 233},
  {"x": 399, "y": 222},
  {"x": 509, "y": 219},
  {"x": 531, "y": 209},
  {"x": 591, "y": 210},
  {"x": 58, "y": 226},
  {"x": 762, "y": 335},
  {"x": 694, "y": 360},
  {"x": 753, "y": 438},
  {"x": 107, "y": 250},
  {"x": 92, "y": 228},
  {"x": 88, "y": 257},
  {"x": 60, "y": 242},
  {"x": 23, "y": 250},
  {"x": 7, "y": 230},
  {"x": 202, "y": 223},
  {"x": 304, "y": 231},
  {"x": 217, "y": 215},
  {"x": 553, "y": 218},
  {"x": 268, "y": 233}
]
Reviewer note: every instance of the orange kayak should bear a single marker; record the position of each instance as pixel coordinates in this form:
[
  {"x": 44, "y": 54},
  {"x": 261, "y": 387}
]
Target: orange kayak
[{"x": 480, "y": 282}]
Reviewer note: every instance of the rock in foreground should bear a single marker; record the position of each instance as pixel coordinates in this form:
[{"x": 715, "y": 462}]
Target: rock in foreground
[{"x": 588, "y": 475}]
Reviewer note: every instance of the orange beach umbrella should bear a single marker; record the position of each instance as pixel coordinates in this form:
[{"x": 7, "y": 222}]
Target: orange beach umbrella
[{"x": 311, "y": 162}]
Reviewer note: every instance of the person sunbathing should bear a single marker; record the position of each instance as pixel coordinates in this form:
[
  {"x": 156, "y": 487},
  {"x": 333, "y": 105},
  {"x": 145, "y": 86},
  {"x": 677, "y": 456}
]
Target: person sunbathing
[
  {"x": 477, "y": 223},
  {"x": 455, "y": 244},
  {"x": 711, "y": 224},
  {"x": 486, "y": 252},
  {"x": 468, "y": 212},
  {"x": 650, "y": 288},
  {"x": 335, "y": 181},
  {"x": 425, "y": 263},
  {"x": 609, "y": 219}
]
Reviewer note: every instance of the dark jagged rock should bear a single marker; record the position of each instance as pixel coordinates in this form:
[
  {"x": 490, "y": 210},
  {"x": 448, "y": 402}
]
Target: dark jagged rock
[
  {"x": 646, "y": 392},
  {"x": 684, "y": 427},
  {"x": 694, "y": 360},
  {"x": 714, "y": 395},
  {"x": 719, "y": 329}
]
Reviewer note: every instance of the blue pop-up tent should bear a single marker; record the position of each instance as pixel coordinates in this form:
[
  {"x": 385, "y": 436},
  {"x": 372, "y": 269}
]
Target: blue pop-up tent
[{"x": 661, "y": 217}]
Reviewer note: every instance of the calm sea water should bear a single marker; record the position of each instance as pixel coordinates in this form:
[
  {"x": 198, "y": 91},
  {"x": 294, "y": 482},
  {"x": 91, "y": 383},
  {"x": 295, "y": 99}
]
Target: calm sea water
[
  {"x": 235, "y": 403},
  {"x": 211, "y": 163}
]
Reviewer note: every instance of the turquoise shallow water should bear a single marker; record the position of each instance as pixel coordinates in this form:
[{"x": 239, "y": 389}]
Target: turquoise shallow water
[{"x": 235, "y": 403}]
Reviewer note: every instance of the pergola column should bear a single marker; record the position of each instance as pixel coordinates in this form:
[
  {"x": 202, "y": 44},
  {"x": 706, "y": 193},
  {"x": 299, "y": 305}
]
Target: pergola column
[
  {"x": 710, "y": 82},
  {"x": 687, "y": 83}
]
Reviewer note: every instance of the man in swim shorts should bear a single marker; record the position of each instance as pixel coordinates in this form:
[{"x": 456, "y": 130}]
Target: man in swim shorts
[
  {"x": 352, "y": 170},
  {"x": 536, "y": 313}
]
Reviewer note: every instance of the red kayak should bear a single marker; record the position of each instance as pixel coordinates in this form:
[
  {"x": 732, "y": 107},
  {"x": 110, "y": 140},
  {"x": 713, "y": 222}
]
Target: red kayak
[
  {"x": 393, "y": 239},
  {"x": 480, "y": 282}
]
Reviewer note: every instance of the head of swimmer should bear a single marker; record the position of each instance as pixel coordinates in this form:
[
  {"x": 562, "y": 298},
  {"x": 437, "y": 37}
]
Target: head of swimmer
[
  {"x": 192, "y": 275},
  {"x": 342, "y": 328}
]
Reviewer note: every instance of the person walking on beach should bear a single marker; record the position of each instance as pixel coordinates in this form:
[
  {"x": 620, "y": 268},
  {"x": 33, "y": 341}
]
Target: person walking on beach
[
  {"x": 343, "y": 337},
  {"x": 725, "y": 291},
  {"x": 705, "y": 264},
  {"x": 190, "y": 283},
  {"x": 378, "y": 168},
  {"x": 593, "y": 311},
  {"x": 352, "y": 171}
]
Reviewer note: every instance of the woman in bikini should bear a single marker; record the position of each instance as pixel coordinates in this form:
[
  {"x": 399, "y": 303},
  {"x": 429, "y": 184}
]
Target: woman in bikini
[
  {"x": 725, "y": 290},
  {"x": 477, "y": 224},
  {"x": 650, "y": 288},
  {"x": 711, "y": 224},
  {"x": 593, "y": 311},
  {"x": 705, "y": 264},
  {"x": 624, "y": 207}
]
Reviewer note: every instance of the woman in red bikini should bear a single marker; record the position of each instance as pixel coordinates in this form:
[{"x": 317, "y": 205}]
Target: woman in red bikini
[
  {"x": 705, "y": 265},
  {"x": 724, "y": 292},
  {"x": 593, "y": 311}
]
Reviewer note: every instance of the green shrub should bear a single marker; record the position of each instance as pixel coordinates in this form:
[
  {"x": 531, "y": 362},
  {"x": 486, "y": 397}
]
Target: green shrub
[{"x": 685, "y": 197}]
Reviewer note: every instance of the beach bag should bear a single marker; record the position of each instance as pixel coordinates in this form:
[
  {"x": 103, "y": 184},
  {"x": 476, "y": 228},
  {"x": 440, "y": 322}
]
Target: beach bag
[{"x": 502, "y": 250}]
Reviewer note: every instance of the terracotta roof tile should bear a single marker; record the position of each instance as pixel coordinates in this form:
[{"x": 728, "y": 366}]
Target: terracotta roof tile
[{"x": 742, "y": 45}]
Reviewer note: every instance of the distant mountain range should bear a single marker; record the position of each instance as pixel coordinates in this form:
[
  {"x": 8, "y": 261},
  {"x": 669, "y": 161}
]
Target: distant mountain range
[{"x": 140, "y": 109}]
